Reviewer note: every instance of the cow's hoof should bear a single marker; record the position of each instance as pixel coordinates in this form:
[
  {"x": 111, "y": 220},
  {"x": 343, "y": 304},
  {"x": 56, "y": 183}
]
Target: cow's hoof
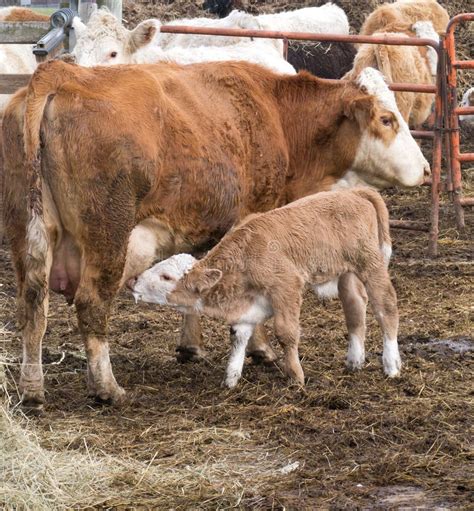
[
  {"x": 32, "y": 401},
  {"x": 113, "y": 396},
  {"x": 263, "y": 356},
  {"x": 189, "y": 354}
]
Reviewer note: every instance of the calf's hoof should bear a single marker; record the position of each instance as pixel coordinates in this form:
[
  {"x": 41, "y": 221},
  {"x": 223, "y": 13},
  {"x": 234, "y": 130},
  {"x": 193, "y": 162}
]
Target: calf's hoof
[
  {"x": 231, "y": 380},
  {"x": 189, "y": 354},
  {"x": 263, "y": 356},
  {"x": 392, "y": 366},
  {"x": 354, "y": 365}
]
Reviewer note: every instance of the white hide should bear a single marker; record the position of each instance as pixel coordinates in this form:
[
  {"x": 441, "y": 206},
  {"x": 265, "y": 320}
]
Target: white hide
[
  {"x": 467, "y": 100},
  {"x": 104, "y": 41},
  {"x": 242, "y": 334},
  {"x": 328, "y": 18},
  {"x": 327, "y": 290},
  {"x": 401, "y": 162},
  {"x": 425, "y": 30},
  {"x": 392, "y": 362},
  {"x": 236, "y": 19},
  {"x": 155, "y": 284},
  {"x": 256, "y": 51},
  {"x": 355, "y": 353}
]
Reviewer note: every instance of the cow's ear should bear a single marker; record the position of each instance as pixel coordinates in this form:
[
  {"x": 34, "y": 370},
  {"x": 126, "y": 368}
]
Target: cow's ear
[
  {"x": 203, "y": 280},
  {"x": 143, "y": 34},
  {"x": 79, "y": 28},
  {"x": 360, "y": 108}
]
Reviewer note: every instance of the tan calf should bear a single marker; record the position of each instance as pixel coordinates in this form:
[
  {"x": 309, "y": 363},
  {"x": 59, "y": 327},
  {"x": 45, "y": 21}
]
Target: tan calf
[{"x": 338, "y": 242}]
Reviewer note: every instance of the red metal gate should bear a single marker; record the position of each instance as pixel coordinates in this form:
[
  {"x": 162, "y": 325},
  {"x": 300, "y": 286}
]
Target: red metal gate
[{"x": 455, "y": 157}]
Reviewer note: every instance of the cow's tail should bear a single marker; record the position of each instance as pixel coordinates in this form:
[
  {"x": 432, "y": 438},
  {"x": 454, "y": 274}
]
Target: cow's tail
[
  {"x": 44, "y": 83},
  {"x": 385, "y": 242}
]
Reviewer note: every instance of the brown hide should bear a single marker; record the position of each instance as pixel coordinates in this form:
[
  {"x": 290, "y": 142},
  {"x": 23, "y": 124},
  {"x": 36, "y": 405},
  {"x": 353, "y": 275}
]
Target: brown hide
[{"x": 197, "y": 147}]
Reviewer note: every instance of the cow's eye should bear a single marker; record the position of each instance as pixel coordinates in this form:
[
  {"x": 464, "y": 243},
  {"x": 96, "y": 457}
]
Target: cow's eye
[
  {"x": 113, "y": 54},
  {"x": 165, "y": 277},
  {"x": 386, "y": 121}
]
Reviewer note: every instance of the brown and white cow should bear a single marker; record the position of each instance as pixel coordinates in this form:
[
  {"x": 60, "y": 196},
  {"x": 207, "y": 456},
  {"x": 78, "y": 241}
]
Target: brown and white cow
[
  {"x": 116, "y": 180},
  {"x": 260, "y": 268}
]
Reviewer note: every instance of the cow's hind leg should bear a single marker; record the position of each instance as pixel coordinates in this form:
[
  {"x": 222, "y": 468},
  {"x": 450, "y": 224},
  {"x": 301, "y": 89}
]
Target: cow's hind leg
[
  {"x": 354, "y": 303},
  {"x": 383, "y": 300},
  {"x": 259, "y": 348},
  {"x": 33, "y": 300},
  {"x": 190, "y": 347},
  {"x": 99, "y": 284}
]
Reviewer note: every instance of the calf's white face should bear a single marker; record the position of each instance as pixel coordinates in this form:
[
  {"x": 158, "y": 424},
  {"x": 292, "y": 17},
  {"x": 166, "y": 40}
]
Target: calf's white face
[
  {"x": 155, "y": 284},
  {"x": 387, "y": 154},
  {"x": 467, "y": 100},
  {"x": 104, "y": 42}
]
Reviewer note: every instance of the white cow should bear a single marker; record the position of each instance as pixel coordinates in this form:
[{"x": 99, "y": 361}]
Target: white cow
[
  {"x": 104, "y": 41},
  {"x": 328, "y": 19}
]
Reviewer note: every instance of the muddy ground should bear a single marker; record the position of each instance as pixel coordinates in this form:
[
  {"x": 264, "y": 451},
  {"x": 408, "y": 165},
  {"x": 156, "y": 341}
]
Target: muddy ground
[
  {"x": 359, "y": 439},
  {"x": 347, "y": 441}
]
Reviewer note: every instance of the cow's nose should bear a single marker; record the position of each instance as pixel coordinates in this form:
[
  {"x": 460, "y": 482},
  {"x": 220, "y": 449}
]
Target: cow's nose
[
  {"x": 131, "y": 283},
  {"x": 427, "y": 170}
]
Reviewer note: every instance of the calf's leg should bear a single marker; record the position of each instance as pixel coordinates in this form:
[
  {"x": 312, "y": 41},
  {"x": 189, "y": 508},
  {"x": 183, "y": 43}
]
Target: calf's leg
[
  {"x": 354, "y": 303},
  {"x": 287, "y": 329},
  {"x": 240, "y": 335},
  {"x": 383, "y": 300}
]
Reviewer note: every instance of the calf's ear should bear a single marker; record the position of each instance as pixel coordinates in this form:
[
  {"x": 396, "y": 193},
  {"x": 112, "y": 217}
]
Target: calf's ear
[
  {"x": 143, "y": 34},
  {"x": 204, "y": 280}
]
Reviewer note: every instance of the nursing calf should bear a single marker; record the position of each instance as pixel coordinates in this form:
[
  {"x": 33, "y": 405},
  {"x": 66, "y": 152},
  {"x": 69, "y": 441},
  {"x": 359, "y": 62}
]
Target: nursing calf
[{"x": 335, "y": 241}]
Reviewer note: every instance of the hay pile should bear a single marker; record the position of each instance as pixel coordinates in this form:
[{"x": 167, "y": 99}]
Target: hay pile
[{"x": 46, "y": 479}]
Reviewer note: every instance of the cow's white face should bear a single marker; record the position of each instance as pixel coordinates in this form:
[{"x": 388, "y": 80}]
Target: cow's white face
[
  {"x": 155, "y": 284},
  {"x": 387, "y": 154},
  {"x": 104, "y": 42}
]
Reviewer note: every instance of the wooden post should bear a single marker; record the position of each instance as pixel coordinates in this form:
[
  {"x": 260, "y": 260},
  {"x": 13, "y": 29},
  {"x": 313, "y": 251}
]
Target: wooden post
[
  {"x": 114, "y": 6},
  {"x": 86, "y": 8}
]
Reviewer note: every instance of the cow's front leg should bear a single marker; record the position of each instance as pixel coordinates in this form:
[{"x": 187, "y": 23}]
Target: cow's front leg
[
  {"x": 190, "y": 347},
  {"x": 259, "y": 347},
  {"x": 93, "y": 303}
]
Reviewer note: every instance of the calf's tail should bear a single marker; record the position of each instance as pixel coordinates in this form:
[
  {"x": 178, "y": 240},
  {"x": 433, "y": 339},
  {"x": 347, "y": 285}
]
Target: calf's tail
[{"x": 385, "y": 241}]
